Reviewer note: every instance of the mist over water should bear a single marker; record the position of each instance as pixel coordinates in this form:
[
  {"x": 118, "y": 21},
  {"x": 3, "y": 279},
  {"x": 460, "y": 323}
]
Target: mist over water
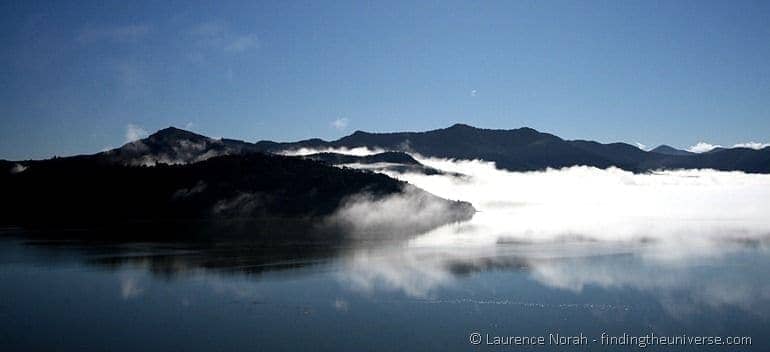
[
  {"x": 583, "y": 203},
  {"x": 571, "y": 228},
  {"x": 587, "y": 203},
  {"x": 395, "y": 216}
]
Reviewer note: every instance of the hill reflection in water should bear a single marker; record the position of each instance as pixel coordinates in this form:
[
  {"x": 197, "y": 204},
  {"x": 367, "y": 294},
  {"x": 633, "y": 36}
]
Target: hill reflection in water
[{"x": 257, "y": 295}]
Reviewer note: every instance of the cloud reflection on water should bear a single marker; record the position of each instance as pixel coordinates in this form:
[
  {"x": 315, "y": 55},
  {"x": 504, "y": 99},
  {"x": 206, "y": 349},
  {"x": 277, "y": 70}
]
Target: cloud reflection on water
[
  {"x": 707, "y": 277},
  {"x": 676, "y": 235}
]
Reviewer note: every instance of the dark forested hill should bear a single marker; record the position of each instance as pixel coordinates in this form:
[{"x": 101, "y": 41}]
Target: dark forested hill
[
  {"x": 86, "y": 191},
  {"x": 668, "y": 150},
  {"x": 174, "y": 146}
]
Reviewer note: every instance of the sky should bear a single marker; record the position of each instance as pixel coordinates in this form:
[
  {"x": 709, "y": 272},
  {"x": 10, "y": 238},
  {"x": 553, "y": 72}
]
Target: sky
[{"x": 85, "y": 76}]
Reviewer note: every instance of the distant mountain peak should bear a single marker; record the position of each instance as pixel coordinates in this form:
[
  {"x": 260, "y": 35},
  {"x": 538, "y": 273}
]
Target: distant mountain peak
[
  {"x": 669, "y": 150},
  {"x": 173, "y": 132},
  {"x": 462, "y": 126},
  {"x": 170, "y": 129},
  {"x": 465, "y": 127},
  {"x": 173, "y": 145}
]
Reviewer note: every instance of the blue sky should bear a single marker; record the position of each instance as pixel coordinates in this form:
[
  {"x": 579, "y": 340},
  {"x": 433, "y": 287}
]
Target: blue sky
[{"x": 76, "y": 76}]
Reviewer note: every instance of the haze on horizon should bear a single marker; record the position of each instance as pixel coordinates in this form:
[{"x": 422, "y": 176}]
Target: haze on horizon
[{"x": 87, "y": 76}]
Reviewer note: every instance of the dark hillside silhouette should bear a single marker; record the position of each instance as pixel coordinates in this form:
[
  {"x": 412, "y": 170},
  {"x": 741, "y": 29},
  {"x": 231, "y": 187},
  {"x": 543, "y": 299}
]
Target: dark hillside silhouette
[{"x": 254, "y": 187}]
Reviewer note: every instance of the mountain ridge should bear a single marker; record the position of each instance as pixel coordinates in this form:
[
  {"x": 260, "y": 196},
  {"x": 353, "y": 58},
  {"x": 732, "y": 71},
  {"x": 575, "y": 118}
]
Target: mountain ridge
[
  {"x": 520, "y": 149},
  {"x": 669, "y": 150},
  {"x": 526, "y": 149}
]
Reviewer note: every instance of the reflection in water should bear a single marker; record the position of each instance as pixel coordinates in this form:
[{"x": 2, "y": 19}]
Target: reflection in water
[
  {"x": 588, "y": 286},
  {"x": 723, "y": 274},
  {"x": 129, "y": 286},
  {"x": 683, "y": 285},
  {"x": 684, "y": 280}
]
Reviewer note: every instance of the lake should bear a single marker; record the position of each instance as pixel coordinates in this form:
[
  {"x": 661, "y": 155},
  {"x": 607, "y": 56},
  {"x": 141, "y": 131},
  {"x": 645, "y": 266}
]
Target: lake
[{"x": 379, "y": 296}]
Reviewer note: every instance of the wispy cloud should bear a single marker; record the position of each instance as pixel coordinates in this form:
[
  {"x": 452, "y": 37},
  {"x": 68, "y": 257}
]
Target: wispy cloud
[
  {"x": 18, "y": 168},
  {"x": 219, "y": 36},
  {"x": 134, "y": 132},
  {"x": 115, "y": 33},
  {"x": 702, "y": 147},
  {"x": 752, "y": 145},
  {"x": 358, "y": 151},
  {"x": 340, "y": 123},
  {"x": 473, "y": 92},
  {"x": 242, "y": 43}
]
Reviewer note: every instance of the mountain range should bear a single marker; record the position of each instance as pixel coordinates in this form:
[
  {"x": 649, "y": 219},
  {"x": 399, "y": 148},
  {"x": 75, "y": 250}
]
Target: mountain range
[
  {"x": 522, "y": 149},
  {"x": 179, "y": 177},
  {"x": 525, "y": 149}
]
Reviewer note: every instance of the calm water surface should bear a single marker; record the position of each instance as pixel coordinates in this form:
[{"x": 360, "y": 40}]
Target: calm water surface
[{"x": 72, "y": 296}]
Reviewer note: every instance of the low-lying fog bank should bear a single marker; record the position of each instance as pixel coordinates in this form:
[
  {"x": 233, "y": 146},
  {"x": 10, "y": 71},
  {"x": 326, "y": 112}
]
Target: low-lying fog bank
[
  {"x": 600, "y": 204},
  {"x": 591, "y": 204}
]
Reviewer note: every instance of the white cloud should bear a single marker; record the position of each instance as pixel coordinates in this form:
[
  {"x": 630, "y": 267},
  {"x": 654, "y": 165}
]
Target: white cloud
[
  {"x": 117, "y": 33},
  {"x": 702, "y": 147},
  {"x": 358, "y": 151},
  {"x": 473, "y": 92},
  {"x": 18, "y": 168},
  {"x": 669, "y": 223},
  {"x": 589, "y": 203},
  {"x": 641, "y": 146},
  {"x": 134, "y": 132},
  {"x": 410, "y": 212},
  {"x": 340, "y": 123},
  {"x": 583, "y": 202},
  {"x": 752, "y": 145}
]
